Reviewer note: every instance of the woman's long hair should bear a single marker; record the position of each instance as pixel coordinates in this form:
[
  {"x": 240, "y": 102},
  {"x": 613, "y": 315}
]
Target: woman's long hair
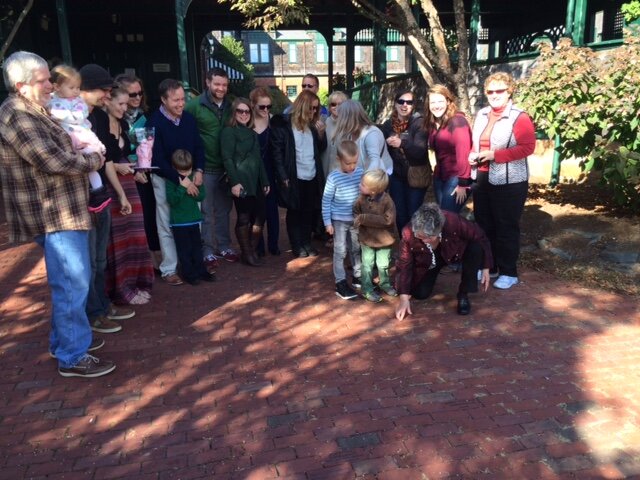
[
  {"x": 302, "y": 114},
  {"x": 352, "y": 119},
  {"x": 430, "y": 121},
  {"x": 125, "y": 80}
]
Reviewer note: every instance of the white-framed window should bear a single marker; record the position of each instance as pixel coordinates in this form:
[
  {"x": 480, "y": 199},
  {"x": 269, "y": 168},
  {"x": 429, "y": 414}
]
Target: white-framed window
[
  {"x": 259, "y": 53},
  {"x": 357, "y": 54},
  {"x": 322, "y": 53},
  {"x": 293, "y": 53},
  {"x": 393, "y": 54},
  {"x": 292, "y": 91}
]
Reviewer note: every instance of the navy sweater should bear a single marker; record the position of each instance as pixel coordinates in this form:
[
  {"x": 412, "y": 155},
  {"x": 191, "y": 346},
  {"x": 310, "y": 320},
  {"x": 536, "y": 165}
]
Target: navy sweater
[{"x": 171, "y": 137}]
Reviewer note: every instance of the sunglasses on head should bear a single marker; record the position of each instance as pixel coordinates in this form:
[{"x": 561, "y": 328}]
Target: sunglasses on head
[
  {"x": 264, "y": 107},
  {"x": 308, "y": 85},
  {"x": 499, "y": 91},
  {"x": 243, "y": 111},
  {"x": 402, "y": 101},
  {"x": 136, "y": 94}
]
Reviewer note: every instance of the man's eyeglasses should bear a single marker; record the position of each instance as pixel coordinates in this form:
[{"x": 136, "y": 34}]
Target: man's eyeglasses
[
  {"x": 243, "y": 111},
  {"x": 264, "y": 107},
  {"x": 308, "y": 85},
  {"x": 136, "y": 94},
  {"x": 499, "y": 91},
  {"x": 402, "y": 101}
]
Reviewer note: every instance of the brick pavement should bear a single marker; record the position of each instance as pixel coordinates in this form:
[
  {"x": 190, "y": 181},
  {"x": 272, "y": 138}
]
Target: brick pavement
[{"x": 267, "y": 374}]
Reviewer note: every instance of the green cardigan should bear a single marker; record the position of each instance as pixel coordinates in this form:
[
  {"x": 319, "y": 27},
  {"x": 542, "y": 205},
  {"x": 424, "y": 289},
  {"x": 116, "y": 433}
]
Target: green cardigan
[
  {"x": 184, "y": 209},
  {"x": 240, "y": 150}
]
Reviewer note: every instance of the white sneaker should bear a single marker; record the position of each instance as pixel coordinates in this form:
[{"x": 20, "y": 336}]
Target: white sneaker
[{"x": 505, "y": 282}]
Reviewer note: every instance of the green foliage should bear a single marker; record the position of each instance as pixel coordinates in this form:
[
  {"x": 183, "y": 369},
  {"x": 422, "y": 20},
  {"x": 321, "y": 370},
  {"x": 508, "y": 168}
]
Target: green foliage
[
  {"x": 232, "y": 54},
  {"x": 631, "y": 10},
  {"x": 594, "y": 106},
  {"x": 270, "y": 14},
  {"x": 323, "y": 95}
]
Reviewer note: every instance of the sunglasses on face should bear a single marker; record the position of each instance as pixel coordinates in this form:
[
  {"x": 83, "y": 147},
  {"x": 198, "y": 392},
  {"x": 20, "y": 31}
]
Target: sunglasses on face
[
  {"x": 499, "y": 91},
  {"x": 404, "y": 102},
  {"x": 264, "y": 107},
  {"x": 308, "y": 85},
  {"x": 243, "y": 111},
  {"x": 333, "y": 104},
  {"x": 136, "y": 94}
]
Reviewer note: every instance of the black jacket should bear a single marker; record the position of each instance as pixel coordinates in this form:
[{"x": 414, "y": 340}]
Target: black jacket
[
  {"x": 413, "y": 150},
  {"x": 283, "y": 151}
]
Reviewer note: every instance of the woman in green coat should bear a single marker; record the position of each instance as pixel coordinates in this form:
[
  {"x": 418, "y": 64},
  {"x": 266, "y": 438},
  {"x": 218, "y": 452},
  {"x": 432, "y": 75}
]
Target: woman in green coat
[{"x": 246, "y": 175}]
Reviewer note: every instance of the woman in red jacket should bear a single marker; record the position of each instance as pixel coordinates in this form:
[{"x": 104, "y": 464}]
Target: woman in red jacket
[
  {"x": 503, "y": 138},
  {"x": 433, "y": 239}
]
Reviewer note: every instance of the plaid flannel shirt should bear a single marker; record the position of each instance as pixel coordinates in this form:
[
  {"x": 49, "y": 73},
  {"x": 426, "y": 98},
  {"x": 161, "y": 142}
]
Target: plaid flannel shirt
[{"x": 44, "y": 180}]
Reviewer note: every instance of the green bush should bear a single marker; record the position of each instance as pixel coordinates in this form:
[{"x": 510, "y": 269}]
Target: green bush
[{"x": 594, "y": 106}]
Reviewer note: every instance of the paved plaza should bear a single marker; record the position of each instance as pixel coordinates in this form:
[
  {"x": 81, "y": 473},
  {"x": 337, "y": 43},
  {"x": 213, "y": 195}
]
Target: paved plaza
[{"x": 266, "y": 374}]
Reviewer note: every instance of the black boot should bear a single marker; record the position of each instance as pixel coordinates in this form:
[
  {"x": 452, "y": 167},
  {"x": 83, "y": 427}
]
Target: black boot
[
  {"x": 247, "y": 255},
  {"x": 256, "y": 236},
  {"x": 464, "y": 305}
]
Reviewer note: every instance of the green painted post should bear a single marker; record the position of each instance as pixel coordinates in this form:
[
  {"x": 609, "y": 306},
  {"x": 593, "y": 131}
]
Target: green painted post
[
  {"x": 579, "y": 20},
  {"x": 474, "y": 27},
  {"x": 555, "y": 166},
  {"x": 568, "y": 24},
  {"x": 181, "y": 10},
  {"x": 63, "y": 22}
]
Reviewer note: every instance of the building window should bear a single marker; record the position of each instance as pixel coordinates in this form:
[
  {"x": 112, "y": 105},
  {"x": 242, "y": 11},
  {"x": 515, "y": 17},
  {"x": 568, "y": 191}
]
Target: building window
[
  {"x": 322, "y": 53},
  {"x": 292, "y": 91},
  {"x": 357, "y": 54},
  {"x": 259, "y": 53},
  {"x": 393, "y": 55},
  {"x": 293, "y": 53}
]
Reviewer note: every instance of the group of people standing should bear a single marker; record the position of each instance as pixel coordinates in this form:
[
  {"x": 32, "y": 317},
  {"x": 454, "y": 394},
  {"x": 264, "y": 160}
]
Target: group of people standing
[{"x": 105, "y": 218}]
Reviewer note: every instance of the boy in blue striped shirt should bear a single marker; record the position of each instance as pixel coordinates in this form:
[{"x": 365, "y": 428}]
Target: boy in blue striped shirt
[{"x": 340, "y": 193}]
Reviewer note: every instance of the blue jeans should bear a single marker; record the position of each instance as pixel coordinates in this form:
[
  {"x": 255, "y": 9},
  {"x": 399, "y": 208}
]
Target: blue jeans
[
  {"x": 406, "y": 199},
  {"x": 443, "y": 190},
  {"x": 342, "y": 230},
  {"x": 66, "y": 255},
  {"x": 98, "y": 303}
]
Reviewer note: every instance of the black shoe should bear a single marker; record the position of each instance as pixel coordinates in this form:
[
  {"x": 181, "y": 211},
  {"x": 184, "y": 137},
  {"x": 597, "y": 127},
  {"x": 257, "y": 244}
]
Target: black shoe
[
  {"x": 344, "y": 291},
  {"x": 208, "y": 277},
  {"x": 312, "y": 252},
  {"x": 464, "y": 305},
  {"x": 356, "y": 282},
  {"x": 193, "y": 281},
  {"x": 300, "y": 253},
  {"x": 274, "y": 251}
]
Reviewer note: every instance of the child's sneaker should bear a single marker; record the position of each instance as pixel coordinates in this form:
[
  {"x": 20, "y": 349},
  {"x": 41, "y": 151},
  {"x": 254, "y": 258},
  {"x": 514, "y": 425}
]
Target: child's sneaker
[
  {"x": 356, "y": 283},
  {"x": 389, "y": 291},
  {"x": 344, "y": 291},
  {"x": 372, "y": 297}
]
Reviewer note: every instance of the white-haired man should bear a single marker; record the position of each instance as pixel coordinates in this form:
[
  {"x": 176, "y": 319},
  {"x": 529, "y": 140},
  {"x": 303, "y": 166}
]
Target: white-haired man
[{"x": 45, "y": 189}]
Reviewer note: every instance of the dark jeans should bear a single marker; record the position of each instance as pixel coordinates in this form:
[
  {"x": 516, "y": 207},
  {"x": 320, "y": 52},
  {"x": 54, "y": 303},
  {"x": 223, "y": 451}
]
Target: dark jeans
[
  {"x": 272, "y": 219},
  {"x": 406, "y": 199},
  {"x": 148, "y": 200},
  {"x": 97, "y": 302},
  {"x": 300, "y": 221},
  {"x": 443, "y": 189},
  {"x": 497, "y": 209},
  {"x": 472, "y": 261},
  {"x": 189, "y": 250}
]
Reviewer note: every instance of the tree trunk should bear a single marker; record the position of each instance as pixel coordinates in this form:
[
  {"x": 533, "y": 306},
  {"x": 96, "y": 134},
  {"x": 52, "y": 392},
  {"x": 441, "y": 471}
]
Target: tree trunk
[{"x": 14, "y": 30}]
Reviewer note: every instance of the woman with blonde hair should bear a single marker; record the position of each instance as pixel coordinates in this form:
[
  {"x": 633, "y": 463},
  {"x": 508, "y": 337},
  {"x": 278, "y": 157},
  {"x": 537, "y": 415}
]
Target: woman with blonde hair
[
  {"x": 449, "y": 137},
  {"x": 354, "y": 124},
  {"x": 297, "y": 140},
  {"x": 503, "y": 137},
  {"x": 330, "y": 155}
]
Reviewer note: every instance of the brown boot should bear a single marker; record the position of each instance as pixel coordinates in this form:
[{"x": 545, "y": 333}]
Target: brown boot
[
  {"x": 256, "y": 235},
  {"x": 247, "y": 255}
]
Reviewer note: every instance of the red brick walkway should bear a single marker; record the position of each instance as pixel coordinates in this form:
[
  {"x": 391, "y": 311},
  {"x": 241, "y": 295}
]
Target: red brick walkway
[{"x": 267, "y": 374}]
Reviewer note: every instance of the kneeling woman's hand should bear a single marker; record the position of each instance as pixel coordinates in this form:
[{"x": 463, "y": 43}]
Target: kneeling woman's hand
[{"x": 404, "y": 307}]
